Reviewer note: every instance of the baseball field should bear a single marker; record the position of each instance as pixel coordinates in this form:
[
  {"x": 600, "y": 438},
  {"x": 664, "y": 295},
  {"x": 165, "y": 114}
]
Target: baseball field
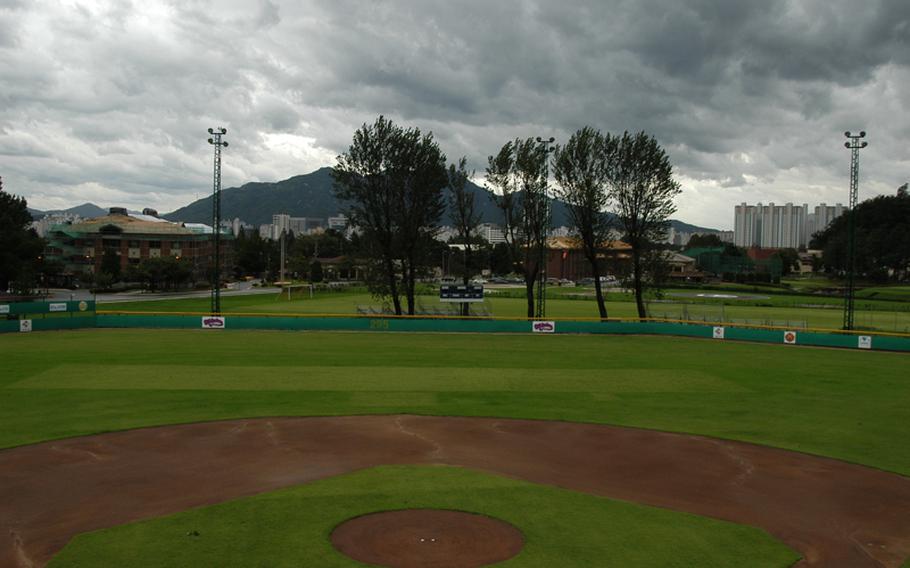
[{"x": 248, "y": 448}]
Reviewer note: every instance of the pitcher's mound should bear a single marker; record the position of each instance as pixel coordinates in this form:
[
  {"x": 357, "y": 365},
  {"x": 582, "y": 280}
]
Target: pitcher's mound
[{"x": 427, "y": 538}]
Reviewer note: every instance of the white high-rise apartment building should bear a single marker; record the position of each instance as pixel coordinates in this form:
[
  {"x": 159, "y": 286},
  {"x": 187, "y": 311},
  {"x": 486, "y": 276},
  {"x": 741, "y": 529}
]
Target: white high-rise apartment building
[
  {"x": 780, "y": 226},
  {"x": 281, "y": 222},
  {"x": 823, "y": 216},
  {"x": 492, "y": 233}
]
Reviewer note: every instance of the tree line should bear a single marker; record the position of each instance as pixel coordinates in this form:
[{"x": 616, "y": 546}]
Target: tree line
[
  {"x": 396, "y": 185},
  {"x": 882, "y": 248}
]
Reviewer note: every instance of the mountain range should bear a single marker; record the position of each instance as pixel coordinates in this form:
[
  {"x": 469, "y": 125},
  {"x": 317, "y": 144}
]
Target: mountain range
[
  {"x": 86, "y": 210},
  {"x": 310, "y": 195}
]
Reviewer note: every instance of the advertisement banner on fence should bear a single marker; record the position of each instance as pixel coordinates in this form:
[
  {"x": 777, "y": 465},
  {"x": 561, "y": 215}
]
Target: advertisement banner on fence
[
  {"x": 543, "y": 327},
  {"x": 864, "y": 342},
  {"x": 790, "y": 337},
  {"x": 4, "y": 309},
  {"x": 57, "y": 307},
  {"x": 25, "y": 326},
  {"x": 213, "y": 322},
  {"x": 718, "y": 332}
]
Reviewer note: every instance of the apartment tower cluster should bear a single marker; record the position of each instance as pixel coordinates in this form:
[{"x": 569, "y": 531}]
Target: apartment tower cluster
[{"x": 781, "y": 226}]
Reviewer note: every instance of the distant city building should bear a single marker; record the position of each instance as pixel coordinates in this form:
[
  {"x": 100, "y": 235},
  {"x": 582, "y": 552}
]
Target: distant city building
[
  {"x": 281, "y": 223},
  {"x": 43, "y": 225},
  {"x": 492, "y": 233},
  {"x": 237, "y": 225},
  {"x": 682, "y": 238},
  {"x": 445, "y": 234},
  {"x": 780, "y": 226},
  {"x": 306, "y": 225},
  {"x": 338, "y": 223},
  {"x": 823, "y": 216},
  {"x": 297, "y": 226}
]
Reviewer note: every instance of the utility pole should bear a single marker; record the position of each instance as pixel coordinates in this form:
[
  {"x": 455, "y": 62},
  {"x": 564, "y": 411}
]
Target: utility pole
[
  {"x": 854, "y": 145},
  {"x": 281, "y": 263},
  {"x": 541, "y": 309},
  {"x": 215, "y": 140}
]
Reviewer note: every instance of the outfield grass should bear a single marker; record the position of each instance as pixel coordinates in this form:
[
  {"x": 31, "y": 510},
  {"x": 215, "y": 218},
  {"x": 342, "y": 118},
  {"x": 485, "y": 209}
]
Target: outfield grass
[
  {"x": 850, "y": 405},
  {"x": 561, "y": 528},
  {"x": 892, "y": 293},
  {"x": 777, "y": 311}
]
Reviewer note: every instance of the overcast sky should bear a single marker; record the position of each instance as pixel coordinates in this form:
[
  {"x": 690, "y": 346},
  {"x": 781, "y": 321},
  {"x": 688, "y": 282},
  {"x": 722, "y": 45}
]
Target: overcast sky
[{"x": 109, "y": 102}]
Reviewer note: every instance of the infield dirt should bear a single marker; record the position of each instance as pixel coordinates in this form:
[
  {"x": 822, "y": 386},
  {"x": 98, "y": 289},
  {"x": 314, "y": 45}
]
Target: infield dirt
[{"x": 833, "y": 513}]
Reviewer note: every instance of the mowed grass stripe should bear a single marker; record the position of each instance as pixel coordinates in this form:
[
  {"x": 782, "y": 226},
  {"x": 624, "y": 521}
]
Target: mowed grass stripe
[
  {"x": 392, "y": 378},
  {"x": 561, "y": 528},
  {"x": 850, "y": 405}
]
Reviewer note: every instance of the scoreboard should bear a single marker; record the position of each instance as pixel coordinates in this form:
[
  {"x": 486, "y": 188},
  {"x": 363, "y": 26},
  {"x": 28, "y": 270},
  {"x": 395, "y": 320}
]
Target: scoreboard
[{"x": 460, "y": 293}]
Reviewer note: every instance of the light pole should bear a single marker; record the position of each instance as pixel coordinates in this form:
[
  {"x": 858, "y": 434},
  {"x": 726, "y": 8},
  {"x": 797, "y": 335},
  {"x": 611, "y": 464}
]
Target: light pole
[
  {"x": 545, "y": 149},
  {"x": 216, "y": 141},
  {"x": 854, "y": 145}
]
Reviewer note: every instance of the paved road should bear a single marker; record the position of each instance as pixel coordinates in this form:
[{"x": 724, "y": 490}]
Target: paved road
[{"x": 233, "y": 289}]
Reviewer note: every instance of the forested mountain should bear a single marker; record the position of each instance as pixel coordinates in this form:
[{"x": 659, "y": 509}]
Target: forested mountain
[{"x": 310, "y": 195}]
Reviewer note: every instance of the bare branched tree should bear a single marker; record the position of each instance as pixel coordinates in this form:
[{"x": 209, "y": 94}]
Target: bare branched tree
[
  {"x": 518, "y": 172},
  {"x": 464, "y": 215}
]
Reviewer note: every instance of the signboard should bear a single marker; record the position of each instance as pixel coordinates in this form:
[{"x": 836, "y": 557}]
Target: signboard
[
  {"x": 718, "y": 332},
  {"x": 57, "y": 307},
  {"x": 4, "y": 309},
  {"x": 864, "y": 342},
  {"x": 543, "y": 327},
  {"x": 790, "y": 337},
  {"x": 83, "y": 305},
  {"x": 460, "y": 293},
  {"x": 25, "y": 326},
  {"x": 213, "y": 322}
]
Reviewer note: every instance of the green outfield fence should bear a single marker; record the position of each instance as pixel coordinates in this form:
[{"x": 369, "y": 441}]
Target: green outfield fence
[{"x": 81, "y": 316}]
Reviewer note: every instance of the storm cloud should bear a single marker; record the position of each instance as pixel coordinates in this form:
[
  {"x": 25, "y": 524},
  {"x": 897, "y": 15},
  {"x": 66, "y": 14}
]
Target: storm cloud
[{"x": 110, "y": 101}]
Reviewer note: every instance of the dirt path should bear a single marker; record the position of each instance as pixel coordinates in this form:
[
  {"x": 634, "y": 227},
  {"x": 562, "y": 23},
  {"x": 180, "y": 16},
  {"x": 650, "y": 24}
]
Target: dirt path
[{"x": 834, "y": 513}]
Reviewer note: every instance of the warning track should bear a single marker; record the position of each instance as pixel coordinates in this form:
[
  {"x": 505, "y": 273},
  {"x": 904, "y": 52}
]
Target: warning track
[{"x": 833, "y": 513}]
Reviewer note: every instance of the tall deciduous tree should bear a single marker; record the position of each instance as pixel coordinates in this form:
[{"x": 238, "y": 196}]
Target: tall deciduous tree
[
  {"x": 392, "y": 180},
  {"x": 518, "y": 176},
  {"x": 580, "y": 169},
  {"x": 20, "y": 245},
  {"x": 642, "y": 190},
  {"x": 505, "y": 197},
  {"x": 465, "y": 216},
  {"x": 882, "y": 239}
]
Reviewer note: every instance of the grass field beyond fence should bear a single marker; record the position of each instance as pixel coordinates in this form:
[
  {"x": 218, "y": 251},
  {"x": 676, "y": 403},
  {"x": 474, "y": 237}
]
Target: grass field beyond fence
[{"x": 799, "y": 311}]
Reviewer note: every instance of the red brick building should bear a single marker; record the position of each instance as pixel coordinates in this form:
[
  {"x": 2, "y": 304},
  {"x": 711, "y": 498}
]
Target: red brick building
[
  {"x": 566, "y": 259},
  {"x": 81, "y": 247}
]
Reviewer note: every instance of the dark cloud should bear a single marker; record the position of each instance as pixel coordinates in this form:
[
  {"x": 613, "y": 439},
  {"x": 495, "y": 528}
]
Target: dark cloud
[{"x": 750, "y": 98}]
